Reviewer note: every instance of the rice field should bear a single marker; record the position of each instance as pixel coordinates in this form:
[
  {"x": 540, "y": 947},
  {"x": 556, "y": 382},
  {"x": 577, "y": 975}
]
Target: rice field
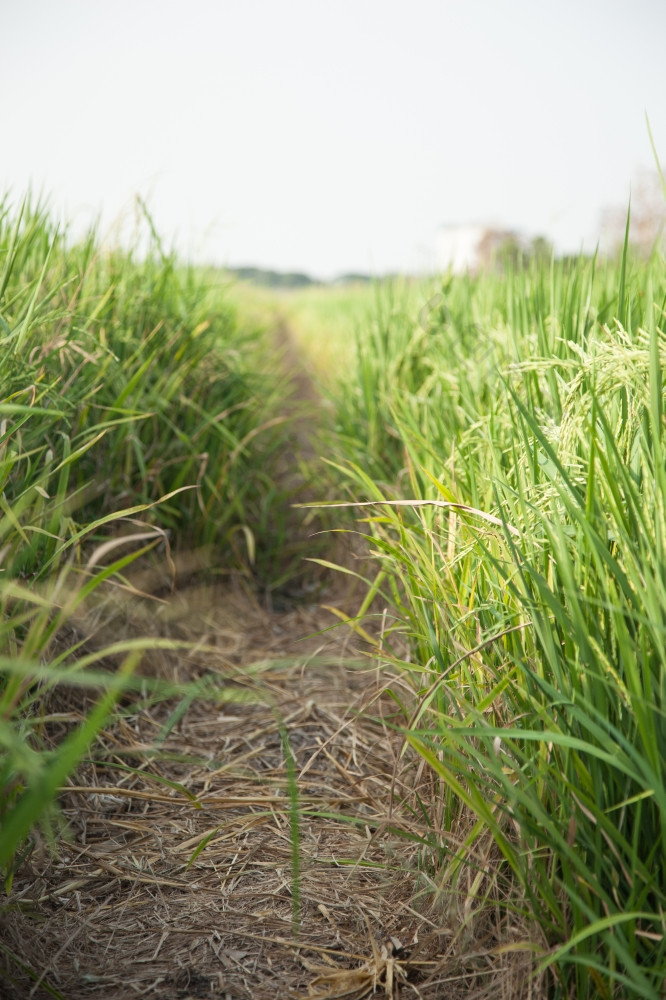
[
  {"x": 504, "y": 453},
  {"x": 134, "y": 417},
  {"x": 494, "y": 447}
]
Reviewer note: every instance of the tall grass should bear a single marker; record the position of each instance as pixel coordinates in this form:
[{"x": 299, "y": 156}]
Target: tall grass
[
  {"x": 144, "y": 358},
  {"x": 537, "y": 640},
  {"x": 136, "y": 412}
]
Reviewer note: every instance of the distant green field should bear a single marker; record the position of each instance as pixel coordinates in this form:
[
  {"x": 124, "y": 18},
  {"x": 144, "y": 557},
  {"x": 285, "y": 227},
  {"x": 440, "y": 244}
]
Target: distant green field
[{"x": 327, "y": 320}]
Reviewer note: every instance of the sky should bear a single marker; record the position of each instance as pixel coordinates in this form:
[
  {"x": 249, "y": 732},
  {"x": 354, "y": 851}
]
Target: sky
[{"x": 331, "y": 136}]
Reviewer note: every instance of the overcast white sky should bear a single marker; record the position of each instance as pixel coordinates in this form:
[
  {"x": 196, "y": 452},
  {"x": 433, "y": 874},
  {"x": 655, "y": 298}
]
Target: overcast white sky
[{"x": 337, "y": 135}]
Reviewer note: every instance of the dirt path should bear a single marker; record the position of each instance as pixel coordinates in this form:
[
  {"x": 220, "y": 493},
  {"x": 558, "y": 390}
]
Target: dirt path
[
  {"x": 257, "y": 855},
  {"x": 285, "y": 893}
]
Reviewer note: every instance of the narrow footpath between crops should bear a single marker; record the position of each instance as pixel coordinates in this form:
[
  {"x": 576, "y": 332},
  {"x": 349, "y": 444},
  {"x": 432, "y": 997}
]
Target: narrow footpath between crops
[{"x": 257, "y": 855}]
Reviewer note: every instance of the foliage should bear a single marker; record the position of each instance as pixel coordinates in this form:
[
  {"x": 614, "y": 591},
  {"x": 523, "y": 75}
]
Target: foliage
[
  {"x": 133, "y": 414},
  {"x": 510, "y": 439}
]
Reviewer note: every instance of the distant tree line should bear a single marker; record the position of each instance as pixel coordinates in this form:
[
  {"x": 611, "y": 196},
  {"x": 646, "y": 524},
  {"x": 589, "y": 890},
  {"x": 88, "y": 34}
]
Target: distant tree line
[
  {"x": 506, "y": 250},
  {"x": 273, "y": 279},
  {"x": 292, "y": 279}
]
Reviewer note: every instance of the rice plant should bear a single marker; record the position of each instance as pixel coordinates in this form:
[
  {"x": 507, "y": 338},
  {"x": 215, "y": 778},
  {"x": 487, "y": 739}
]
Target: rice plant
[
  {"x": 514, "y": 436},
  {"x": 134, "y": 407}
]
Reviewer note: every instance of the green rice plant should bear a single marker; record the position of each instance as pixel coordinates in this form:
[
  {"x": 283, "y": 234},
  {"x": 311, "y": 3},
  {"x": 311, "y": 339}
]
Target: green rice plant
[
  {"x": 35, "y": 663},
  {"x": 597, "y": 684},
  {"x": 128, "y": 389},
  {"x": 143, "y": 374},
  {"x": 518, "y": 514}
]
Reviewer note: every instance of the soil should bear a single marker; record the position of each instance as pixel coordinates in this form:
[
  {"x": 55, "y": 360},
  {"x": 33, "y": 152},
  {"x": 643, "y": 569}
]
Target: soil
[{"x": 264, "y": 840}]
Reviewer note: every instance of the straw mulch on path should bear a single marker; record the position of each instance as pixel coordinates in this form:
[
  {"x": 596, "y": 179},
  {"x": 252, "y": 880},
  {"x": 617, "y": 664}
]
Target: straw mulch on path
[{"x": 223, "y": 884}]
